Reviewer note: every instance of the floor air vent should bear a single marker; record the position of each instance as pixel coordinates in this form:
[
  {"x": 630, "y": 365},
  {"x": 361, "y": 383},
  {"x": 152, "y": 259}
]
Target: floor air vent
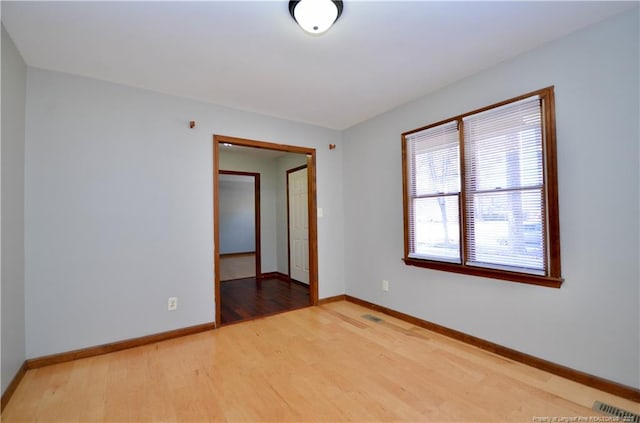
[
  {"x": 372, "y": 318},
  {"x": 625, "y": 416}
]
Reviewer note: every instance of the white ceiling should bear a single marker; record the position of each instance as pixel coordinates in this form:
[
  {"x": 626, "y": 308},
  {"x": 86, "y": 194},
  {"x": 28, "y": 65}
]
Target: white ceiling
[{"x": 251, "y": 55}]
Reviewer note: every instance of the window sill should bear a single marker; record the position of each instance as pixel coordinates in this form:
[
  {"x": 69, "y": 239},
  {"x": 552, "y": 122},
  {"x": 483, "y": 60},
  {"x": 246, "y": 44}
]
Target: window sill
[{"x": 547, "y": 281}]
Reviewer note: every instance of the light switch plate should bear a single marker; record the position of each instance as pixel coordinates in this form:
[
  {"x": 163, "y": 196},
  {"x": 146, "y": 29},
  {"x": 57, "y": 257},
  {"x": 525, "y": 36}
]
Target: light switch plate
[{"x": 172, "y": 303}]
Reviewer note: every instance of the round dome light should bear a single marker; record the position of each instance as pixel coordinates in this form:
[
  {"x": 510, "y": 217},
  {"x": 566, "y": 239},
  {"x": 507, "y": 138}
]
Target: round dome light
[{"x": 315, "y": 16}]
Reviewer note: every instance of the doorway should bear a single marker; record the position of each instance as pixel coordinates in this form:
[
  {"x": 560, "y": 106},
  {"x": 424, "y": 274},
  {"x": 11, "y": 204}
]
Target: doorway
[
  {"x": 239, "y": 200},
  {"x": 261, "y": 286}
]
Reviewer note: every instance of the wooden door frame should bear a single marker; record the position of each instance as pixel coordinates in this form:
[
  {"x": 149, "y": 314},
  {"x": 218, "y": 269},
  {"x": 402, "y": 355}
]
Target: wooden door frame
[
  {"x": 311, "y": 209},
  {"x": 256, "y": 214},
  {"x": 290, "y": 171}
]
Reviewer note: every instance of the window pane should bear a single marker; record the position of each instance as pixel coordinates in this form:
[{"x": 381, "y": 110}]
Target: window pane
[
  {"x": 438, "y": 171},
  {"x": 506, "y": 230},
  {"x": 504, "y": 186},
  {"x": 434, "y": 164},
  {"x": 436, "y": 231},
  {"x": 504, "y": 147}
]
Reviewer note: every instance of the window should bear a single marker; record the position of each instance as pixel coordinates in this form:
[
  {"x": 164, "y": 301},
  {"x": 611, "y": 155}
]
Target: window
[{"x": 480, "y": 192}]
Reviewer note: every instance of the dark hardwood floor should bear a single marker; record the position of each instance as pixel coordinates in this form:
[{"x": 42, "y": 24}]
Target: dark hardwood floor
[{"x": 246, "y": 299}]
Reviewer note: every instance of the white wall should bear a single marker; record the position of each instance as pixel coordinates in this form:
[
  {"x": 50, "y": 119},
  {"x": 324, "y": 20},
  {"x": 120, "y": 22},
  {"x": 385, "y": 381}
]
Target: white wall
[
  {"x": 119, "y": 208},
  {"x": 592, "y": 322},
  {"x": 237, "y": 214},
  {"x": 14, "y": 76}
]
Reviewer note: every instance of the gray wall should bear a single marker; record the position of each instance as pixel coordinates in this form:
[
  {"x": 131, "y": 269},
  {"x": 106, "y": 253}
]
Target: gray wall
[
  {"x": 14, "y": 75},
  {"x": 237, "y": 214},
  {"x": 119, "y": 208},
  {"x": 592, "y": 322}
]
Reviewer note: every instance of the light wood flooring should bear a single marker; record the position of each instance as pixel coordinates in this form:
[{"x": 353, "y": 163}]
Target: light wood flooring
[
  {"x": 316, "y": 364},
  {"x": 237, "y": 266}
]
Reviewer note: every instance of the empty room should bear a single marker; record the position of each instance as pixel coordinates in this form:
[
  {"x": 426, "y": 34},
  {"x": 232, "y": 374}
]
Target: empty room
[{"x": 320, "y": 210}]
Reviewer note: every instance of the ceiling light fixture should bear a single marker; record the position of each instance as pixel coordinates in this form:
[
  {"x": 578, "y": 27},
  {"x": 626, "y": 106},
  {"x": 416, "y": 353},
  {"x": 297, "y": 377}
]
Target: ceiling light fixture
[{"x": 315, "y": 16}]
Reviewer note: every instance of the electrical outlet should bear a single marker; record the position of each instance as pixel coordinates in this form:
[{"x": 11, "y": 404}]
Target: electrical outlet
[
  {"x": 172, "y": 303},
  {"x": 385, "y": 285}
]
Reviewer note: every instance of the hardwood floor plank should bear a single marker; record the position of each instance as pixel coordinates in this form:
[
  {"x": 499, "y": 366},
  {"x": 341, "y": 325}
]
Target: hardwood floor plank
[
  {"x": 316, "y": 364},
  {"x": 248, "y": 298}
]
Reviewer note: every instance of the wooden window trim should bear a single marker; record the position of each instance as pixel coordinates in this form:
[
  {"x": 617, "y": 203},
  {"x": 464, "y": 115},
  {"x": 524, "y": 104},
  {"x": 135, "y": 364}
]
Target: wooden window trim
[{"x": 551, "y": 221}]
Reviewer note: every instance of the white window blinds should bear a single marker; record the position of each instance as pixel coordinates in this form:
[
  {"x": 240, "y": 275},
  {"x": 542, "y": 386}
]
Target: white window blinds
[
  {"x": 434, "y": 193},
  {"x": 504, "y": 191},
  {"x": 480, "y": 192}
]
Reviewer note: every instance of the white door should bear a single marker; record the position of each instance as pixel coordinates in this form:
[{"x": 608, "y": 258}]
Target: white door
[{"x": 298, "y": 226}]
